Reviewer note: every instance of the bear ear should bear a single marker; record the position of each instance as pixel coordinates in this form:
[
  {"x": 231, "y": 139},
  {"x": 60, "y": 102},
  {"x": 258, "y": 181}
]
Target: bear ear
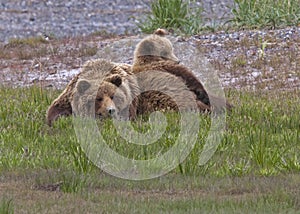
[
  {"x": 82, "y": 86},
  {"x": 160, "y": 32},
  {"x": 115, "y": 79}
]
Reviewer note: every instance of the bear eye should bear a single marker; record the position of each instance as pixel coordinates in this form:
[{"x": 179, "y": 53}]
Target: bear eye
[
  {"x": 111, "y": 97},
  {"x": 99, "y": 99}
]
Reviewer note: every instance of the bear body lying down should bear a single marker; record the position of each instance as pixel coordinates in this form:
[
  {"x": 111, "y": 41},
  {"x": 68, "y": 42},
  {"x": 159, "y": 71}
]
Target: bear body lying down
[
  {"x": 106, "y": 89},
  {"x": 155, "y": 53},
  {"x": 156, "y": 81}
]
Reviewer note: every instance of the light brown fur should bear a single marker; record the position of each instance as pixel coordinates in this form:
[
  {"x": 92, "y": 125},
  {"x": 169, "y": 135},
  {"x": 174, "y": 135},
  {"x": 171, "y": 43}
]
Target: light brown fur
[
  {"x": 161, "y": 91},
  {"x": 97, "y": 83},
  {"x": 155, "y": 45},
  {"x": 155, "y": 53}
]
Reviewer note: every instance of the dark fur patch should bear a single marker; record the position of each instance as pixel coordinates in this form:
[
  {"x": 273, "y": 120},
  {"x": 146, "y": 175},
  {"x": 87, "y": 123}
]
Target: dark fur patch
[{"x": 115, "y": 79}]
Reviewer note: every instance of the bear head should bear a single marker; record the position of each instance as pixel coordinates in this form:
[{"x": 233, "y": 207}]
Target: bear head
[
  {"x": 102, "y": 99},
  {"x": 155, "y": 46},
  {"x": 92, "y": 90}
]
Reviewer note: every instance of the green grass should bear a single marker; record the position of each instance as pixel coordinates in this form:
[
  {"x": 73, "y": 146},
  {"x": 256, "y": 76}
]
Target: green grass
[
  {"x": 6, "y": 206},
  {"x": 255, "y": 169},
  {"x": 175, "y": 15},
  {"x": 262, "y": 136},
  {"x": 182, "y": 17},
  {"x": 266, "y": 13}
]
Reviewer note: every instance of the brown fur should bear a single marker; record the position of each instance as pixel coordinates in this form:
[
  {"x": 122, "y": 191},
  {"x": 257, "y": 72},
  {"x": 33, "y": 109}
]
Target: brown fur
[
  {"x": 176, "y": 69},
  {"x": 155, "y": 53},
  {"x": 97, "y": 83},
  {"x": 155, "y": 45},
  {"x": 163, "y": 91}
]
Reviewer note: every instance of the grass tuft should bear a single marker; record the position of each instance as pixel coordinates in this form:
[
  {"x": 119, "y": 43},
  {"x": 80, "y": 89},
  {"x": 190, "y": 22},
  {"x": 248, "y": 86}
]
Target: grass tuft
[
  {"x": 6, "y": 206},
  {"x": 265, "y": 13},
  {"x": 31, "y": 41},
  {"x": 185, "y": 17},
  {"x": 176, "y": 15}
]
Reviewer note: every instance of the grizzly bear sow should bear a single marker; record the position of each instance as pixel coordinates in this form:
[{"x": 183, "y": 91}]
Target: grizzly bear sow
[
  {"x": 102, "y": 87},
  {"x": 155, "y": 53}
]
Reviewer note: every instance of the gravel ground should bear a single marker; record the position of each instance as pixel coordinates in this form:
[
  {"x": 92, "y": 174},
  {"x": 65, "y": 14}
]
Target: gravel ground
[
  {"x": 236, "y": 58},
  {"x": 60, "y": 18}
]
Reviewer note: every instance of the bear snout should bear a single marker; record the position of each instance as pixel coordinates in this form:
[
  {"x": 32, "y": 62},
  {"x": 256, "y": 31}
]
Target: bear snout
[{"x": 111, "y": 110}]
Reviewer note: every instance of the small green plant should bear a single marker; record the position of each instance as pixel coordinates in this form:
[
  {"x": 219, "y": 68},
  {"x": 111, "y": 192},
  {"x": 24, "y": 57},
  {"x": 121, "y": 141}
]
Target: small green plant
[
  {"x": 72, "y": 183},
  {"x": 80, "y": 161},
  {"x": 263, "y": 46},
  {"x": 265, "y": 13},
  {"x": 6, "y": 206},
  {"x": 239, "y": 61},
  {"x": 177, "y": 15}
]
